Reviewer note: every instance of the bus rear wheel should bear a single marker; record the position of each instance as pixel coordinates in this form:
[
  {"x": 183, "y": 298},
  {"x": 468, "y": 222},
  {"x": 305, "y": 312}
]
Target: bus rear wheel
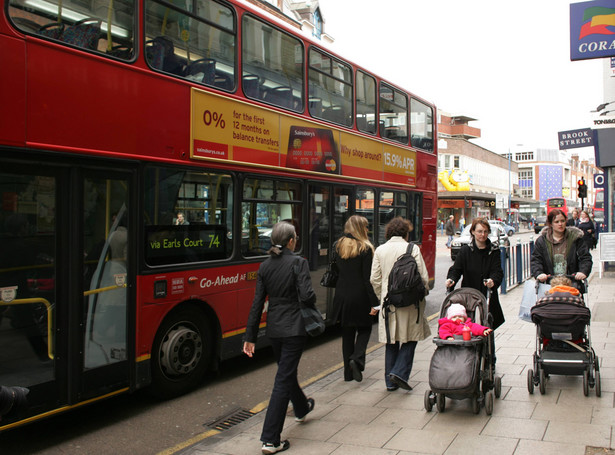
[{"x": 181, "y": 352}]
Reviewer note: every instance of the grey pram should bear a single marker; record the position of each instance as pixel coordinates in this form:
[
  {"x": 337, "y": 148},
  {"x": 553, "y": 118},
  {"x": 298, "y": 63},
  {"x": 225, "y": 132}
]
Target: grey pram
[{"x": 464, "y": 369}]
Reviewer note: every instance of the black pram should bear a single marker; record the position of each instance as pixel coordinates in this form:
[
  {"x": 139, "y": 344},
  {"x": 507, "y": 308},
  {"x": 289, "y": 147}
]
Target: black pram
[
  {"x": 563, "y": 341},
  {"x": 459, "y": 368}
]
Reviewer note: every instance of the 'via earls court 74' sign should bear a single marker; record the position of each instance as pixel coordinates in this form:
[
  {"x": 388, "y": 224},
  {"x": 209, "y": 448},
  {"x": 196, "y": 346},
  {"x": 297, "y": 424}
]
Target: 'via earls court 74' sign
[
  {"x": 592, "y": 30},
  {"x": 575, "y": 138}
]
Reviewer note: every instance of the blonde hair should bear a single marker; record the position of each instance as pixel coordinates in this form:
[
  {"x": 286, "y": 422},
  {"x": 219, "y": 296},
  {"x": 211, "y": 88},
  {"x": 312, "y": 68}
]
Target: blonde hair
[
  {"x": 348, "y": 247},
  {"x": 560, "y": 280}
]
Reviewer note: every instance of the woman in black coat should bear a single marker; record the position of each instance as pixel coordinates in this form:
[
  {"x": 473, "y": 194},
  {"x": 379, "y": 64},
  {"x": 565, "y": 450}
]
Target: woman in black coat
[
  {"x": 588, "y": 228},
  {"x": 277, "y": 280},
  {"x": 354, "y": 295},
  {"x": 560, "y": 250},
  {"x": 479, "y": 263}
]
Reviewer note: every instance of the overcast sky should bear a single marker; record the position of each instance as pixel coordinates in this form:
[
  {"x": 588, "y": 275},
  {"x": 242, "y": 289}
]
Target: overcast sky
[{"x": 507, "y": 64}]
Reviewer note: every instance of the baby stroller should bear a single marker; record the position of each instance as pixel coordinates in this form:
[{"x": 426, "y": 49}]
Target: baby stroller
[
  {"x": 563, "y": 340},
  {"x": 464, "y": 369}
]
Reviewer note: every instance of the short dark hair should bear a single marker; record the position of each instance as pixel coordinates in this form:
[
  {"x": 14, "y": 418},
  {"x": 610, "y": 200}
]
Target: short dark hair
[{"x": 398, "y": 226}]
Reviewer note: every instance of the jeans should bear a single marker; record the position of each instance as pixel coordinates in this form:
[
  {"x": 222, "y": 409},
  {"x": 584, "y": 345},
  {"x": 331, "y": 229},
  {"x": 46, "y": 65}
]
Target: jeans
[
  {"x": 398, "y": 360},
  {"x": 354, "y": 346},
  {"x": 287, "y": 352},
  {"x": 450, "y": 240}
]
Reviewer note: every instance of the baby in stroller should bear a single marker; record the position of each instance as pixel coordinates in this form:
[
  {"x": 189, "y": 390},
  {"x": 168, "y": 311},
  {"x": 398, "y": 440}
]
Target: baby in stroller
[
  {"x": 456, "y": 321},
  {"x": 459, "y": 368}
]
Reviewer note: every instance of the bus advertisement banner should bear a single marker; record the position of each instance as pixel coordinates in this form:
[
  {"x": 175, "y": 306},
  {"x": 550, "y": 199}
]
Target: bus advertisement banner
[{"x": 232, "y": 130}]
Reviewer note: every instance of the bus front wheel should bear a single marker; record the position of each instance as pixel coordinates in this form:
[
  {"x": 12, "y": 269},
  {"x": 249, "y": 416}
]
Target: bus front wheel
[{"x": 181, "y": 353}]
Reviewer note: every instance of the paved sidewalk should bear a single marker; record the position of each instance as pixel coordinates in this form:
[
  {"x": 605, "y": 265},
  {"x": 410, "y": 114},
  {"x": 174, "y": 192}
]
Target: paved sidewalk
[{"x": 353, "y": 418}]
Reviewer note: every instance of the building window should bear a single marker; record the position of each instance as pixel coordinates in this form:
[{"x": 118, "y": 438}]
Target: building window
[
  {"x": 456, "y": 161},
  {"x": 524, "y": 156},
  {"x": 527, "y": 192},
  {"x": 317, "y": 24}
]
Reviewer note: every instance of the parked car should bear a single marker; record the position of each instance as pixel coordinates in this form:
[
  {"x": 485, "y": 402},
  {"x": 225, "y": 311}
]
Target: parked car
[
  {"x": 507, "y": 227},
  {"x": 541, "y": 221},
  {"x": 497, "y": 236}
]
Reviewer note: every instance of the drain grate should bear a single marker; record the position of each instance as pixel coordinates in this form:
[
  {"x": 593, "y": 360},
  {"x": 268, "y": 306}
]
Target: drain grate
[{"x": 230, "y": 420}]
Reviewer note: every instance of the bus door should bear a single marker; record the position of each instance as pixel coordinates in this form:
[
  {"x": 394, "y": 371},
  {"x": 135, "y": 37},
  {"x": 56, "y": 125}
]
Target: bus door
[
  {"x": 329, "y": 208},
  {"x": 106, "y": 220},
  {"x": 29, "y": 265},
  {"x": 63, "y": 277}
]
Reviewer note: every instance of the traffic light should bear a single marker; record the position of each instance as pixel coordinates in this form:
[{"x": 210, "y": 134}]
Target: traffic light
[{"x": 582, "y": 188}]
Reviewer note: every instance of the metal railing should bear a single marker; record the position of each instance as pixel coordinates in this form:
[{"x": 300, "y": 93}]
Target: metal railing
[{"x": 515, "y": 260}]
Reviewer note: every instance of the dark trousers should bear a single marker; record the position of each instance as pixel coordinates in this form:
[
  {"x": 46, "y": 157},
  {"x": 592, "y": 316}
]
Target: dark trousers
[
  {"x": 398, "y": 359},
  {"x": 354, "y": 346},
  {"x": 287, "y": 352}
]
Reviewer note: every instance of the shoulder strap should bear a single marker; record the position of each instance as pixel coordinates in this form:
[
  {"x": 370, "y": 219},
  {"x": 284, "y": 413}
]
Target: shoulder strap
[{"x": 410, "y": 247}]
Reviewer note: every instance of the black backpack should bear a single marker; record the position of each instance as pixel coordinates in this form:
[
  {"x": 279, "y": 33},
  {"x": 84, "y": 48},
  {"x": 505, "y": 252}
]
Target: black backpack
[{"x": 405, "y": 286}]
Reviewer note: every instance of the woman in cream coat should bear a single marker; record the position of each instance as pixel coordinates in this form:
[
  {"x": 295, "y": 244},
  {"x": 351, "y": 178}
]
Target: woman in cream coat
[{"x": 404, "y": 331}]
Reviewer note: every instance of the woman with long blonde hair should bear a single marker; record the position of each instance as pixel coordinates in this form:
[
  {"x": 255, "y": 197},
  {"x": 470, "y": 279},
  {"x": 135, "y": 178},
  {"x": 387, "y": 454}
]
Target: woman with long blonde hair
[{"x": 354, "y": 296}]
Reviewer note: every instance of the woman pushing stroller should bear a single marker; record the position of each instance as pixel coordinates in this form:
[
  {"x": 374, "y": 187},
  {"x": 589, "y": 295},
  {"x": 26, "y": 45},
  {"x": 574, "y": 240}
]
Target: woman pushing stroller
[
  {"x": 560, "y": 250},
  {"x": 479, "y": 264}
]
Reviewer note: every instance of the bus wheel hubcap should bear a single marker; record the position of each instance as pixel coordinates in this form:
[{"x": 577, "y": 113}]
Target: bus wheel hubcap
[{"x": 181, "y": 351}]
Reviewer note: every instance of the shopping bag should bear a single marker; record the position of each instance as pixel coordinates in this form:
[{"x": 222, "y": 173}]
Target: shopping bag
[{"x": 530, "y": 296}]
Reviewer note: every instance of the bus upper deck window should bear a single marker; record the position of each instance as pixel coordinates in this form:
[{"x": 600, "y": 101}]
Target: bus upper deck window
[
  {"x": 85, "y": 25},
  {"x": 195, "y": 41}
]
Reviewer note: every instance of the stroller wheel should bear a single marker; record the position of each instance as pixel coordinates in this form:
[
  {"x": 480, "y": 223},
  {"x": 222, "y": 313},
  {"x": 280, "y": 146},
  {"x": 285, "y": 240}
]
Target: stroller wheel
[
  {"x": 497, "y": 388},
  {"x": 543, "y": 382},
  {"x": 440, "y": 402},
  {"x": 489, "y": 402},
  {"x": 476, "y": 405},
  {"x": 530, "y": 381},
  {"x": 428, "y": 400},
  {"x": 598, "y": 387},
  {"x": 586, "y": 383}
]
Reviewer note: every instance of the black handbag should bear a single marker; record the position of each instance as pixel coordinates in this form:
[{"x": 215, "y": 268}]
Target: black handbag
[
  {"x": 312, "y": 319},
  {"x": 329, "y": 278}
]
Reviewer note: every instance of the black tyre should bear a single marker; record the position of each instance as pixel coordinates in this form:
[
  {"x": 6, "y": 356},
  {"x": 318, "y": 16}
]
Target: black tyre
[
  {"x": 543, "y": 382},
  {"x": 428, "y": 401},
  {"x": 440, "y": 402},
  {"x": 530, "y": 381},
  {"x": 510, "y": 233},
  {"x": 475, "y": 405},
  {"x": 489, "y": 402},
  {"x": 181, "y": 353},
  {"x": 497, "y": 388},
  {"x": 597, "y": 377}
]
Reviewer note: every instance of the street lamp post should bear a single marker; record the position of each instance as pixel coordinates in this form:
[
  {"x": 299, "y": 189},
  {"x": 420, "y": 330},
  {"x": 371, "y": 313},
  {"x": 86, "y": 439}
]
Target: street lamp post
[
  {"x": 509, "y": 183},
  {"x": 602, "y": 106}
]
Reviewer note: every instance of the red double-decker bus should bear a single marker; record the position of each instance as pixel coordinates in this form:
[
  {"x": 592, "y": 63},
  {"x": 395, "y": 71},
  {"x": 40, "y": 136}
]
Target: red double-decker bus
[
  {"x": 566, "y": 205},
  {"x": 147, "y": 150}
]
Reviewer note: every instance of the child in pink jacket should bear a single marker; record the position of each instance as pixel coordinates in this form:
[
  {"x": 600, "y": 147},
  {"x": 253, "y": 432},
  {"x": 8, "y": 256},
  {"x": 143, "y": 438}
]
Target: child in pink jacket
[{"x": 454, "y": 322}]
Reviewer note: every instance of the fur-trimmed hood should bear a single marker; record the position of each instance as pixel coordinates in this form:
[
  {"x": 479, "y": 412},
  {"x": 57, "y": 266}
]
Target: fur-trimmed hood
[{"x": 572, "y": 231}]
